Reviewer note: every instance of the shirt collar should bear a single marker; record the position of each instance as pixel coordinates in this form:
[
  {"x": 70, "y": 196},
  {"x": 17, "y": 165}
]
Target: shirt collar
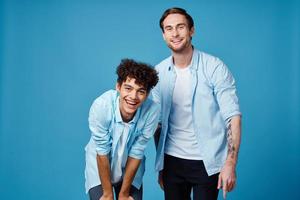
[{"x": 193, "y": 65}]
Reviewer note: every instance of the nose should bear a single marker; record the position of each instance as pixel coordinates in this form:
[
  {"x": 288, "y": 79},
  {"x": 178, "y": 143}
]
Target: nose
[
  {"x": 133, "y": 95},
  {"x": 174, "y": 32}
]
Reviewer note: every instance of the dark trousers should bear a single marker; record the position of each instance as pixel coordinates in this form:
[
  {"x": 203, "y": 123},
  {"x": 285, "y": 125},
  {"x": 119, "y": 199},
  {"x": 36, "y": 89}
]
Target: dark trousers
[
  {"x": 96, "y": 192},
  {"x": 180, "y": 176}
]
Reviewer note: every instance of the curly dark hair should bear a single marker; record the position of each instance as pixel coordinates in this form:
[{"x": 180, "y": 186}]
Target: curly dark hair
[
  {"x": 175, "y": 10},
  {"x": 143, "y": 73}
]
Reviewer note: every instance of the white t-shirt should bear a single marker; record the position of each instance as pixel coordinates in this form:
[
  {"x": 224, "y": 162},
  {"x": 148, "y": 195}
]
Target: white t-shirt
[
  {"x": 121, "y": 156},
  {"x": 181, "y": 139}
]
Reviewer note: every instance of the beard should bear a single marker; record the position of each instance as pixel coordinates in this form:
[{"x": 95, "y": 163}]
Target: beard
[{"x": 181, "y": 48}]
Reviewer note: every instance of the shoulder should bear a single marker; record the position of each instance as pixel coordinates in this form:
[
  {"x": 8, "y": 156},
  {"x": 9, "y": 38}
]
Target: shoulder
[
  {"x": 210, "y": 63},
  {"x": 107, "y": 97},
  {"x": 163, "y": 64},
  {"x": 105, "y": 101},
  {"x": 209, "y": 60}
]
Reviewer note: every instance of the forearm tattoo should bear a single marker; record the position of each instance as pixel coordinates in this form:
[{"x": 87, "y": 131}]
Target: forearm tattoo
[{"x": 231, "y": 148}]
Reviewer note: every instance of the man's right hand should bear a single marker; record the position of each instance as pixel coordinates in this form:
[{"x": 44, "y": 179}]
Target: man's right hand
[
  {"x": 160, "y": 180},
  {"x": 107, "y": 197}
]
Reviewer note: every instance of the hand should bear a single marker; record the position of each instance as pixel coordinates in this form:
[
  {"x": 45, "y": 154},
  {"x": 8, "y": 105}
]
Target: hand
[
  {"x": 160, "y": 180},
  {"x": 227, "y": 178},
  {"x": 107, "y": 197},
  {"x": 121, "y": 197}
]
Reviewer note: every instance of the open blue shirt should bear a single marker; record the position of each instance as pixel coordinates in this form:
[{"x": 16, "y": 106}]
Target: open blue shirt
[
  {"x": 214, "y": 103},
  {"x": 106, "y": 126}
]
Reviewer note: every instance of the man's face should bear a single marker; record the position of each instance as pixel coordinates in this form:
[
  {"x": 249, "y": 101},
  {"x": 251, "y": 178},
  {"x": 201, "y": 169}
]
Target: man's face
[
  {"x": 177, "y": 33},
  {"x": 132, "y": 96}
]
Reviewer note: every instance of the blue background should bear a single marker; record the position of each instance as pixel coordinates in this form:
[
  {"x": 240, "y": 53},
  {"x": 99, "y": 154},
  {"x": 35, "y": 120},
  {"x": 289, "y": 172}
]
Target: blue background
[{"x": 56, "y": 57}]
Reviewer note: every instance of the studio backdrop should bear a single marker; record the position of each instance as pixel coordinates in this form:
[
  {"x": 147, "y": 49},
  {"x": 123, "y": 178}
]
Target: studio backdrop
[{"x": 56, "y": 57}]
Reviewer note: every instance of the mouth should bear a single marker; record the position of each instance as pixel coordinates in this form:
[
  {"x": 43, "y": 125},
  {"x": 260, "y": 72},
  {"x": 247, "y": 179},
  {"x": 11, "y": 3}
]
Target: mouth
[
  {"x": 131, "y": 104},
  {"x": 176, "y": 41}
]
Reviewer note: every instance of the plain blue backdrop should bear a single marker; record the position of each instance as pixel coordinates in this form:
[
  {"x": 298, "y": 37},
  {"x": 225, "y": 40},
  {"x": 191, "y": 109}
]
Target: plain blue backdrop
[{"x": 56, "y": 57}]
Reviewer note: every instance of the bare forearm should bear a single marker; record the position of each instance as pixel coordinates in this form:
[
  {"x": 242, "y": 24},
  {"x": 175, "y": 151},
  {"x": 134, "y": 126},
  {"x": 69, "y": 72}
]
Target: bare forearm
[
  {"x": 132, "y": 166},
  {"x": 234, "y": 139},
  {"x": 104, "y": 174}
]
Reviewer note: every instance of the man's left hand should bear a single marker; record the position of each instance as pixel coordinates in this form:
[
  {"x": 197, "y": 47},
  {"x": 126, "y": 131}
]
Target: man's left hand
[{"x": 227, "y": 178}]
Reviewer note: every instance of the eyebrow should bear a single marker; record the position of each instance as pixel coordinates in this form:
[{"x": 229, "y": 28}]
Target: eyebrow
[
  {"x": 180, "y": 24},
  {"x": 126, "y": 85},
  {"x": 142, "y": 88}
]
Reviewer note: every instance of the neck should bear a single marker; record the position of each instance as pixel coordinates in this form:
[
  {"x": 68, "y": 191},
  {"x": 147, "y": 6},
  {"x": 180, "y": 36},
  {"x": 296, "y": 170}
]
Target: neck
[
  {"x": 126, "y": 118},
  {"x": 183, "y": 58}
]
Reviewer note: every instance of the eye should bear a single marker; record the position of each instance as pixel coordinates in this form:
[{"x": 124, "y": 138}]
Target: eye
[
  {"x": 168, "y": 28},
  {"x": 181, "y": 27},
  {"x": 142, "y": 92}
]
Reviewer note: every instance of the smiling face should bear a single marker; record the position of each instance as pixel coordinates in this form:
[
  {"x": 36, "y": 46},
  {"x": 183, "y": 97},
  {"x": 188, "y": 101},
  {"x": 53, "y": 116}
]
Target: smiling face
[
  {"x": 132, "y": 96},
  {"x": 177, "y": 33}
]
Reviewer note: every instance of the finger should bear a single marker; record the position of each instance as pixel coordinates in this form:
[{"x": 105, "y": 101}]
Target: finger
[
  {"x": 229, "y": 185},
  {"x": 161, "y": 183},
  {"x": 219, "y": 182},
  {"x": 232, "y": 185},
  {"x": 224, "y": 194},
  {"x": 224, "y": 190}
]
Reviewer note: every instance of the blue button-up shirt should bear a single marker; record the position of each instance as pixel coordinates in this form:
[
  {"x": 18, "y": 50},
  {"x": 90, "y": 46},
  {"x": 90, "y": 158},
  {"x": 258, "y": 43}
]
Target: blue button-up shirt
[
  {"x": 214, "y": 102},
  {"x": 106, "y": 126}
]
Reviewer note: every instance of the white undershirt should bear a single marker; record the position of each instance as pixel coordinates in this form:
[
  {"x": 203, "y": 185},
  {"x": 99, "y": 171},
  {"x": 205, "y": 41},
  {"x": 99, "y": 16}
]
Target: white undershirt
[
  {"x": 181, "y": 139},
  {"x": 121, "y": 155}
]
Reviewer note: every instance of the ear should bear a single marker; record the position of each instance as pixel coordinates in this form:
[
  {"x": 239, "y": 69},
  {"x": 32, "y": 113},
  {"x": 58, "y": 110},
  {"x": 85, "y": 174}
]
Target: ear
[
  {"x": 147, "y": 95},
  {"x": 192, "y": 31},
  {"x": 118, "y": 87},
  {"x": 163, "y": 34}
]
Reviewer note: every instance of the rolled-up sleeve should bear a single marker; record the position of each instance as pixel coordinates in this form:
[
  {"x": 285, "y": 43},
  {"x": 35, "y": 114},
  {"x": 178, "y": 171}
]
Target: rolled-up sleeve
[
  {"x": 225, "y": 91},
  {"x": 99, "y": 122},
  {"x": 139, "y": 145}
]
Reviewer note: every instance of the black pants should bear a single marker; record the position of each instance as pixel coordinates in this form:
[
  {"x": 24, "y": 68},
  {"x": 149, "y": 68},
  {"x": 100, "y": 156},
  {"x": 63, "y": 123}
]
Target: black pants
[
  {"x": 96, "y": 192},
  {"x": 180, "y": 176}
]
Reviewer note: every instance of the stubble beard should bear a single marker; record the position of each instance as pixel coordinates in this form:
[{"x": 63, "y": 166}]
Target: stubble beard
[{"x": 181, "y": 49}]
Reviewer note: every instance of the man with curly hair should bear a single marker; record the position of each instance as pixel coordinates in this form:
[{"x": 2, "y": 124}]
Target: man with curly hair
[
  {"x": 200, "y": 116},
  {"x": 121, "y": 122}
]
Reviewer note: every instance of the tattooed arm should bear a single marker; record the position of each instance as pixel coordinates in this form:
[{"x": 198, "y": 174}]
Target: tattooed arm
[
  {"x": 227, "y": 177},
  {"x": 234, "y": 139}
]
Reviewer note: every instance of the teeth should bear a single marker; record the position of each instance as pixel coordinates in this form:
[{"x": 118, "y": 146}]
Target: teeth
[
  {"x": 131, "y": 103},
  {"x": 176, "y": 42}
]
